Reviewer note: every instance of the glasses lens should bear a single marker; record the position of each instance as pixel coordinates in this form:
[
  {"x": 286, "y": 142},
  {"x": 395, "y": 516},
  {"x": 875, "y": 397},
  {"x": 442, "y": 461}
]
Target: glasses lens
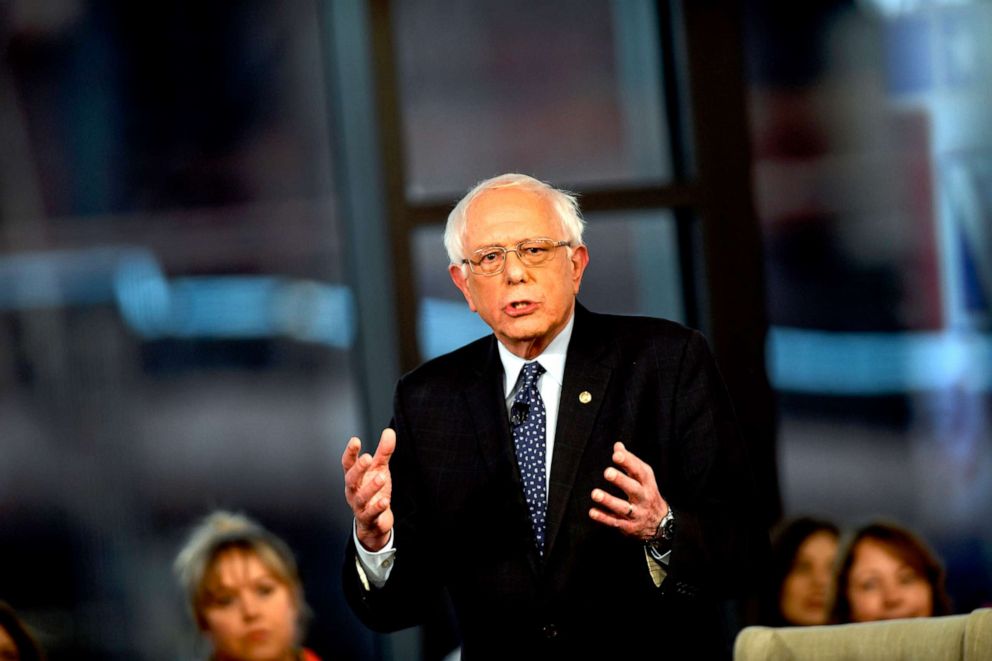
[
  {"x": 536, "y": 251},
  {"x": 488, "y": 261}
]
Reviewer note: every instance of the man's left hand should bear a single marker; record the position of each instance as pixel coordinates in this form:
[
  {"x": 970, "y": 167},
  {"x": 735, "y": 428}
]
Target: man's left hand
[{"x": 639, "y": 514}]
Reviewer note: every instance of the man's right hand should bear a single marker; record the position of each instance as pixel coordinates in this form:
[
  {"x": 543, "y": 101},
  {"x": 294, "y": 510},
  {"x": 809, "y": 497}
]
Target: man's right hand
[{"x": 368, "y": 487}]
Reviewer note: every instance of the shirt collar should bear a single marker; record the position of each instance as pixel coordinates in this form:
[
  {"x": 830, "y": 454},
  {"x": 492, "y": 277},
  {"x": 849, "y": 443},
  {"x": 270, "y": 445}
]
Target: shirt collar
[{"x": 552, "y": 359}]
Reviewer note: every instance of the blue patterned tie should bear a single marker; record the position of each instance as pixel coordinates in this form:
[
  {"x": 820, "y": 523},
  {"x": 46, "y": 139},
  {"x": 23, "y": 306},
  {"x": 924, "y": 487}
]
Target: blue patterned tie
[{"x": 528, "y": 419}]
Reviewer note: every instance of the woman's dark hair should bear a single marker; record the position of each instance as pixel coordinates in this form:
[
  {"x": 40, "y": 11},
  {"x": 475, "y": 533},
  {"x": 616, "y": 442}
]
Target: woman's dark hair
[
  {"x": 27, "y": 646},
  {"x": 786, "y": 539},
  {"x": 906, "y": 546}
]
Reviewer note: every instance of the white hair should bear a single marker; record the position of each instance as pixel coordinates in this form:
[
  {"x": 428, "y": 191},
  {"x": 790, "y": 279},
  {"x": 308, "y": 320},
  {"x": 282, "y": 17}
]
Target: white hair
[{"x": 563, "y": 204}]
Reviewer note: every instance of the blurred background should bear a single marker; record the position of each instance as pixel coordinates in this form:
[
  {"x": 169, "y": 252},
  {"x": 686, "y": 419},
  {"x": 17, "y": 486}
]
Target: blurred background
[{"x": 220, "y": 230}]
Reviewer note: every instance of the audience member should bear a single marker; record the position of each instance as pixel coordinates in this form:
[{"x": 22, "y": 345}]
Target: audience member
[
  {"x": 16, "y": 641},
  {"x": 243, "y": 590},
  {"x": 888, "y": 572},
  {"x": 801, "y": 575}
]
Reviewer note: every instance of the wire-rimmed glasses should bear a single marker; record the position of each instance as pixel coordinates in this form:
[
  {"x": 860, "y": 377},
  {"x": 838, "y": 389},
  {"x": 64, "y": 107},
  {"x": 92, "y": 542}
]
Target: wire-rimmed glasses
[{"x": 532, "y": 252}]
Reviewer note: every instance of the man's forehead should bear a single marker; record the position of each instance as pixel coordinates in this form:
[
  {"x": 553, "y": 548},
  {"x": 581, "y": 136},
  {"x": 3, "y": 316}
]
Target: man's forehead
[
  {"x": 511, "y": 197},
  {"x": 509, "y": 214}
]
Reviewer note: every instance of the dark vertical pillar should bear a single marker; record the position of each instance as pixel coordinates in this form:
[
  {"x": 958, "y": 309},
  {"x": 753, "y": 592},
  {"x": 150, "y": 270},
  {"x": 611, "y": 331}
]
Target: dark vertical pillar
[{"x": 731, "y": 235}]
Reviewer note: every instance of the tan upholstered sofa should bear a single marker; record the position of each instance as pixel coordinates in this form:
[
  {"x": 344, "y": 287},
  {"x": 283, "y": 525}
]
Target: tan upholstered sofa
[{"x": 967, "y": 637}]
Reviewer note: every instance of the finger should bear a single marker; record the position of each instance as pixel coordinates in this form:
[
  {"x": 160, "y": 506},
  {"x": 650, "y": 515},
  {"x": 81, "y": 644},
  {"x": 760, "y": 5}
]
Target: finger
[
  {"x": 372, "y": 508},
  {"x": 608, "y": 519},
  {"x": 387, "y": 445},
  {"x": 376, "y": 484},
  {"x": 627, "y": 484},
  {"x": 632, "y": 464},
  {"x": 383, "y": 522},
  {"x": 376, "y": 516},
  {"x": 610, "y": 503},
  {"x": 355, "y": 476},
  {"x": 350, "y": 453},
  {"x": 379, "y": 504}
]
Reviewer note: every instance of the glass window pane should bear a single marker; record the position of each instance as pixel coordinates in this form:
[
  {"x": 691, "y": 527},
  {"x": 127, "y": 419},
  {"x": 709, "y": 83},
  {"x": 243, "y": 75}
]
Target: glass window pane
[
  {"x": 444, "y": 321},
  {"x": 175, "y": 326},
  {"x": 872, "y": 176},
  {"x": 563, "y": 90},
  {"x": 634, "y": 265}
]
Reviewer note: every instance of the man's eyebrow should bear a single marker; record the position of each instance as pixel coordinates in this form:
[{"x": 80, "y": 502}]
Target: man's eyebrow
[{"x": 513, "y": 243}]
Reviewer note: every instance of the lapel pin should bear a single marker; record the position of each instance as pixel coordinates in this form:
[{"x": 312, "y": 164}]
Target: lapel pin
[{"x": 585, "y": 397}]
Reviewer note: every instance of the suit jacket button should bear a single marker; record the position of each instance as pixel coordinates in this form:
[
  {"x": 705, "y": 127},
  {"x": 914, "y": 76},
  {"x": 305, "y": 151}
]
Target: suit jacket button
[{"x": 550, "y": 631}]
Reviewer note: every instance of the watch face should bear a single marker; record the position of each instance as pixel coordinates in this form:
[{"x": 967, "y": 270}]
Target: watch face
[{"x": 668, "y": 525}]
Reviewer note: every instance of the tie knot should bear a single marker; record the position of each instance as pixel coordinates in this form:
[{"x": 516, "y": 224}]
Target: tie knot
[{"x": 531, "y": 372}]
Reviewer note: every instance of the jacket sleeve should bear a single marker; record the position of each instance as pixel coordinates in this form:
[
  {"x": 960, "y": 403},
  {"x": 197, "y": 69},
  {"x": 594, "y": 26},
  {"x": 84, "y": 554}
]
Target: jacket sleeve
[
  {"x": 414, "y": 579},
  {"x": 719, "y": 543}
]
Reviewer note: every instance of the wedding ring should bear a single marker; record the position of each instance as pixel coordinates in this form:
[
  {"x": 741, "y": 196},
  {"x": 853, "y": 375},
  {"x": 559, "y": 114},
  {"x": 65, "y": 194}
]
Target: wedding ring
[{"x": 630, "y": 509}]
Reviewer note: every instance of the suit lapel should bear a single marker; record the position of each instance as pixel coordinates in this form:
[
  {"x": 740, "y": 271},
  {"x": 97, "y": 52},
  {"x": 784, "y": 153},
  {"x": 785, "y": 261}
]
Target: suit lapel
[
  {"x": 484, "y": 394},
  {"x": 587, "y": 374},
  {"x": 486, "y": 406}
]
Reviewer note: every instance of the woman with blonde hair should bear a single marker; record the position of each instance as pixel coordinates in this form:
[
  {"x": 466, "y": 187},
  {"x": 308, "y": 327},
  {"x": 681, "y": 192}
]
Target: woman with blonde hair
[{"x": 243, "y": 590}]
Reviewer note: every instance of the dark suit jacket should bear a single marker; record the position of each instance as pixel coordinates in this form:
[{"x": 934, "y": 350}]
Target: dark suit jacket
[{"x": 461, "y": 520}]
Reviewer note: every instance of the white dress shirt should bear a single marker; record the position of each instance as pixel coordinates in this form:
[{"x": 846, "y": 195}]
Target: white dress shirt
[{"x": 552, "y": 359}]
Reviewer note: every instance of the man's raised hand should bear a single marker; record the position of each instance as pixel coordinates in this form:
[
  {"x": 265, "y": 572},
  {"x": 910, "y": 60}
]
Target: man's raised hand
[
  {"x": 639, "y": 513},
  {"x": 368, "y": 488}
]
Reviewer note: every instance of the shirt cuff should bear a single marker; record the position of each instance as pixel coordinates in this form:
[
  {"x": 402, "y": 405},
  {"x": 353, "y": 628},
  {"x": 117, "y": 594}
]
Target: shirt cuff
[
  {"x": 374, "y": 566},
  {"x": 657, "y": 566}
]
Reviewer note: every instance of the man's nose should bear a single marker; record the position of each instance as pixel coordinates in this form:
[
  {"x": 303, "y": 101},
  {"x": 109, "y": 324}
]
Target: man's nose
[{"x": 514, "y": 269}]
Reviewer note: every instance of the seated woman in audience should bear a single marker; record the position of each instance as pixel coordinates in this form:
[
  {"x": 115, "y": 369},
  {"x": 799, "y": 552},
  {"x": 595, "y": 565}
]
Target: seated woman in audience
[
  {"x": 801, "y": 577},
  {"x": 888, "y": 572},
  {"x": 243, "y": 590},
  {"x": 16, "y": 641}
]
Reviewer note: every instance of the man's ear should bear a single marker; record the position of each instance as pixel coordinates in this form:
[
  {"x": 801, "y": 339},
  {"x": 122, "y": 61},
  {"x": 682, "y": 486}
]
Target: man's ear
[
  {"x": 579, "y": 259},
  {"x": 460, "y": 279}
]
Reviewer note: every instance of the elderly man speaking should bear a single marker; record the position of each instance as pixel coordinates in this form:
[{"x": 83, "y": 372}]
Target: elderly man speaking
[{"x": 575, "y": 481}]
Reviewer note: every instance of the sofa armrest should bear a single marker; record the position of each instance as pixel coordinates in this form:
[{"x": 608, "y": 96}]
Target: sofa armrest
[{"x": 967, "y": 637}]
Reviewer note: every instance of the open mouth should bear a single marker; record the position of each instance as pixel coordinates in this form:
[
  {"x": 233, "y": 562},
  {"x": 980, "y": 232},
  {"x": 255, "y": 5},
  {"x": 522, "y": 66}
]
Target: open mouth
[{"x": 520, "y": 307}]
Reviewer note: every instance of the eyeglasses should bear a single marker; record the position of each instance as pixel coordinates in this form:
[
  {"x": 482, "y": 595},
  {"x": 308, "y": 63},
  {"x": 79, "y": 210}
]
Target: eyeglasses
[{"x": 532, "y": 252}]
